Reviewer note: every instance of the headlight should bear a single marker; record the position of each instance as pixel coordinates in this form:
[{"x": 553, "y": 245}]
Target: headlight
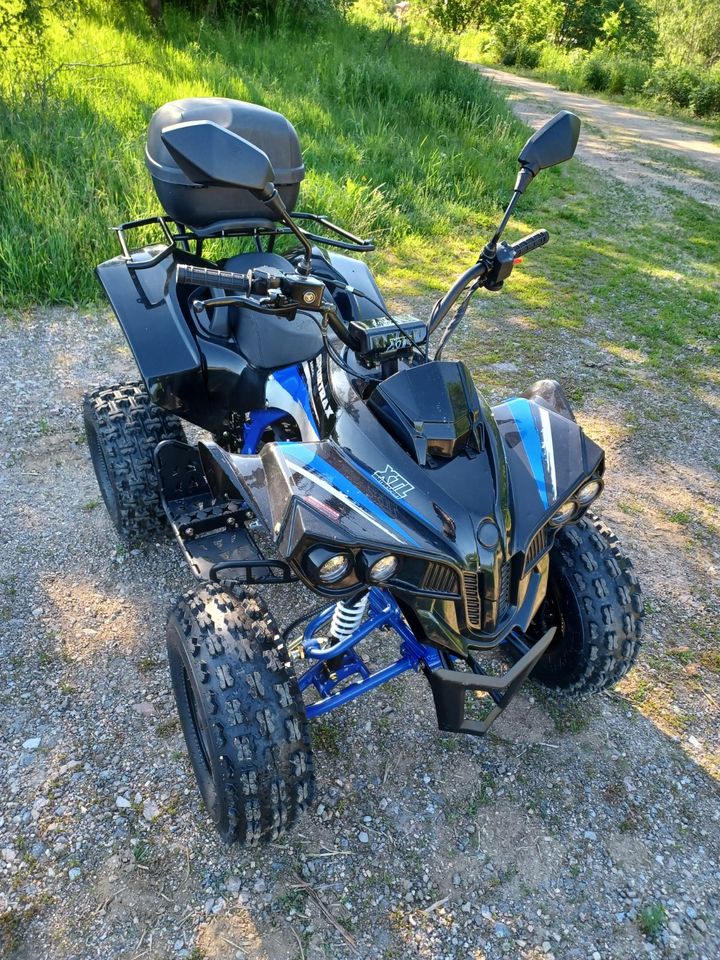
[
  {"x": 563, "y": 514},
  {"x": 588, "y": 492},
  {"x": 334, "y": 568},
  {"x": 383, "y": 569}
]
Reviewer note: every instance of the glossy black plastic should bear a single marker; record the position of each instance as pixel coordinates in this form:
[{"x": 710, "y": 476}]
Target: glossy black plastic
[
  {"x": 199, "y": 170},
  {"x": 432, "y": 410},
  {"x": 553, "y": 143}
]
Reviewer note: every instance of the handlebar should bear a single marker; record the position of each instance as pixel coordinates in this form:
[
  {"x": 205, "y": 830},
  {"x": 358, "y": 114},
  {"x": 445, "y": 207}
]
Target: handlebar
[
  {"x": 286, "y": 289},
  {"x": 204, "y": 277},
  {"x": 531, "y": 242}
]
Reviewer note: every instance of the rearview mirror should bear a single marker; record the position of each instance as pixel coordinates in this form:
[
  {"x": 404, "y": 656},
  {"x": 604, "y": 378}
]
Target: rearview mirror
[
  {"x": 208, "y": 153},
  {"x": 553, "y": 143}
]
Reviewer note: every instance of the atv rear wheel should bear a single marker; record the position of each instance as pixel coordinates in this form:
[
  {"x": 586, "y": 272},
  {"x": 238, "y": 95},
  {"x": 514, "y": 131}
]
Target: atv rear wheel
[
  {"x": 593, "y": 600},
  {"x": 241, "y": 713},
  {"x": 123, "y": 427}
]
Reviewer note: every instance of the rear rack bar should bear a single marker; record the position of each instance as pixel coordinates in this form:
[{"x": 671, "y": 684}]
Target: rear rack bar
[{"x": 178, "y": 234}]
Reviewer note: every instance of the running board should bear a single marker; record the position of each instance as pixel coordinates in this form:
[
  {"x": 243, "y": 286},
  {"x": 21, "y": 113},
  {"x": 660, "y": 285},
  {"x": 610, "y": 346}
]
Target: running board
[
  {"x": 450, "y": 686},
  {"x": 212, "y": 532}
]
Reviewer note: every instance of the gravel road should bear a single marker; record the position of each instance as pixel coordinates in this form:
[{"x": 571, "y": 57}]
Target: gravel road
[
  {"x": 581, "y": 832},
  {"x": 639, "y": 149}
]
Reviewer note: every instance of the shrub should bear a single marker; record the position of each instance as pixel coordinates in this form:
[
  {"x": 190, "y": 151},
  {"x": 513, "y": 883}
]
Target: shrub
[
  {"x": 520, "y": 54},
  {"x": 596, "y": 73},
  {"x": 528, "y": 55},
  {"x": 706, "y": 99},
  {"x": 673, "y": 84},
  {"x": 627, "y": 76}
]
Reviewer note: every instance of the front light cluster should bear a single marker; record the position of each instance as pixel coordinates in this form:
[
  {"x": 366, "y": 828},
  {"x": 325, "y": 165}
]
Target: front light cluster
[
  {"x": 329, "y": 567},
  {"x": 576, "y": 504},
  {"x": 334, "y": 568}
]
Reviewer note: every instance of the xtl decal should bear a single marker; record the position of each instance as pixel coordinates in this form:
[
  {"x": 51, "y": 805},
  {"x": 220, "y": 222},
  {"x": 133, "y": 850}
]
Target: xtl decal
[{"x": 398, "y": 486}]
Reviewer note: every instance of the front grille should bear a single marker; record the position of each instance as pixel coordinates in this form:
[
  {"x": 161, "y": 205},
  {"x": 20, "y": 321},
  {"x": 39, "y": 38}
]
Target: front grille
[
  {"x": 472, "y": 599},
  {"x": 504, "y": 601},
  {"x": 535, "y": 548},
  {"x": 439, "y": 578}
]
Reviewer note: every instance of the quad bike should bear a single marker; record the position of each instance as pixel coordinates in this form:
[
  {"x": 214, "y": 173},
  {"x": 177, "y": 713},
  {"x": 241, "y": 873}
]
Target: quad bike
[{"x": 338, "y": 453}]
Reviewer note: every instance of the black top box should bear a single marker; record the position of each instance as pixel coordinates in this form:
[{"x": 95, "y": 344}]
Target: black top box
[{"x": 201, "y": 206}]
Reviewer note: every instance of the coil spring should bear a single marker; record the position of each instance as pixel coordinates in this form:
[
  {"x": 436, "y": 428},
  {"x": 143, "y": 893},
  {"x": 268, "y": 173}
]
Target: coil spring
[{"x": 347, "y": 617}]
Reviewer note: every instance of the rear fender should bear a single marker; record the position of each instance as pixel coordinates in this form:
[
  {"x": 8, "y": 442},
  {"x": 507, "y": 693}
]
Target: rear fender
[{"x": 161, "y": 343}]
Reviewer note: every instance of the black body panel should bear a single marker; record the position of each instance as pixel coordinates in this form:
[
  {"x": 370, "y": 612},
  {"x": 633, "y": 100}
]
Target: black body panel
[
  {"x": 212, "y": 373},
  {"x": 432, "y": 410},
  {"x": 269, "y": 342}
]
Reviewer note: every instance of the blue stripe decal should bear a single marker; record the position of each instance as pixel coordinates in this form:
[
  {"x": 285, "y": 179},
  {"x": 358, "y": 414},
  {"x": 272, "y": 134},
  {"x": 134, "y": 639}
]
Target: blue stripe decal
[
  {"x": 292, "y": 380},
  {"x": 384, "y": 489},
  {"x": 522, "y": 411},
  {"x": 306, "y": 457}
]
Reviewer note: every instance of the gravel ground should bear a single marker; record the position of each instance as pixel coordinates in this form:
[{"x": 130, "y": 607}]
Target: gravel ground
[{"x": 571, "y": 831}]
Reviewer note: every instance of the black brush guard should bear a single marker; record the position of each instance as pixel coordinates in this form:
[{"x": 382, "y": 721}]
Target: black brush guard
[{"x": 449, "y": 688}]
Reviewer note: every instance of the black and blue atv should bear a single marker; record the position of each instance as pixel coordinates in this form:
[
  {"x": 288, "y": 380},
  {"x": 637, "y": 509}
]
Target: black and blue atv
[{"x": 335, "y": 450}]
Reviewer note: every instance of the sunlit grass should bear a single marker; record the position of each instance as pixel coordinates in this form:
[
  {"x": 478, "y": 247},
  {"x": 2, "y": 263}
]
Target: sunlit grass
[{"x": 399, "y": 141}]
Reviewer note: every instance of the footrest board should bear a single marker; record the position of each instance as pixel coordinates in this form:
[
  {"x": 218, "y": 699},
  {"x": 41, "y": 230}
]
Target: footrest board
[{"x": 211, "y": 533}]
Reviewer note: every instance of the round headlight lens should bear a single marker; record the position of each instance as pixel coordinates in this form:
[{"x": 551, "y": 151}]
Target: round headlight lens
[
  {"x": 383, "y": 569},
  {"x": 334, "y": 568},
  {"x": 565, "y": 513},
  {"x": 587, "y": 493}
]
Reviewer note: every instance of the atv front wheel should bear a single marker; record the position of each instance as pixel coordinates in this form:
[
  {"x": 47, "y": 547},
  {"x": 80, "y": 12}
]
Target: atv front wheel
[
  {"x": 123, "y": 427},
  {"x": 593, "y": 600},
  {"x": 241, "y": 713}
]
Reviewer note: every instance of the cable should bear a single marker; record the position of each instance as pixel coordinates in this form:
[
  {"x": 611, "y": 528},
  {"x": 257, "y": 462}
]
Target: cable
[
  {"x": 457, "y": 319},
  {"x": 303, "y": 616}
]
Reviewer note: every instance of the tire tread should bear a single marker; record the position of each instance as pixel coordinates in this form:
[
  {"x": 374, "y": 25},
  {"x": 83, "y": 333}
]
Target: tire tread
[
  {"x": 259, "y": 726},
  {"x": 129, "y": 426}
]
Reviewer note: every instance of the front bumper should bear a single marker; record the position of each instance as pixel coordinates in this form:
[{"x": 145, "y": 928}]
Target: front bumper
[{"x": 449, "y": 688}]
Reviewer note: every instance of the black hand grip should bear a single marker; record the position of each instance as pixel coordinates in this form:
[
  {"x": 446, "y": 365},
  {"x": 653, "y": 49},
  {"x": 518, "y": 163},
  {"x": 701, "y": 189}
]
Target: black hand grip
[
  {"x": 204, "y": 277},
  {"x": 531, "y": 242}
]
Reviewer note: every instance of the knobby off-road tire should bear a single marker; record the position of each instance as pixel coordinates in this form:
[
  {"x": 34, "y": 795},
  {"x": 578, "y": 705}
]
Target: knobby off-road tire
[
  {"x": 241, "y": 713},
  {"x": 123, "y": 427},
  {"x": 594, "y": 601}
]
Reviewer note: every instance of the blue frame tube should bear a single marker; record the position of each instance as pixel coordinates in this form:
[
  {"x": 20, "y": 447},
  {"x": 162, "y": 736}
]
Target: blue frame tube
[
  {"x": 383, "y": 611},
  {"x": 360, "y": 687}
]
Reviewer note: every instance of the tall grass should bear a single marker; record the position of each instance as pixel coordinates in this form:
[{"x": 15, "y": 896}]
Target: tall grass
[{"x": 399, "y": 140}]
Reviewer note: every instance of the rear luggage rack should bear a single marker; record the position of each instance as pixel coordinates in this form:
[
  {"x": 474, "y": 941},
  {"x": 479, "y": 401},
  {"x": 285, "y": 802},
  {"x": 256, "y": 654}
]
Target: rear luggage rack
[
  {"x": 176, "y": 234},
  {"x": 212, "y": 534}
]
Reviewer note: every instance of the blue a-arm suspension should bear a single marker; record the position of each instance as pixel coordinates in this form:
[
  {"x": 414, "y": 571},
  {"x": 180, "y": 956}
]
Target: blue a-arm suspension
[{"x": 337, "y": 662}]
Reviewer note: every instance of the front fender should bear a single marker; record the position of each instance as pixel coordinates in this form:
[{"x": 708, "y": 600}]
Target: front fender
[{"x": 548, "y": 457}]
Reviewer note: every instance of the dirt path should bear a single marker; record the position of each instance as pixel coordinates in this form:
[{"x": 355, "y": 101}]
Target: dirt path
[{"x": 637, "y": 148}]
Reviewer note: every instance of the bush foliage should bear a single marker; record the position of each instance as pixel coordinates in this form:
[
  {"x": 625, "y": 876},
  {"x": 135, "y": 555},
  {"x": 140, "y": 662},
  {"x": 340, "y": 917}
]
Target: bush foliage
[{"x": 667, "y": 50}]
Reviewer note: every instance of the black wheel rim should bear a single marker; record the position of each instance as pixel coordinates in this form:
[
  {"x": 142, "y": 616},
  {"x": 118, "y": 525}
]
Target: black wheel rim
[
  {"x": 200, "y": 729},
  {"x": 559, "y": 609}
]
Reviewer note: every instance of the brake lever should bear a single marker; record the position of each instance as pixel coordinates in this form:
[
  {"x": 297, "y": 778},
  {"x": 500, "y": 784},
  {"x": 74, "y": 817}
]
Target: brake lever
[{"x": 262, "y": 306}]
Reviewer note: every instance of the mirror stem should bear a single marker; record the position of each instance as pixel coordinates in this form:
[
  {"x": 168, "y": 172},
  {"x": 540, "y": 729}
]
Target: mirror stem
[
  {"x": 524, "y": 177},
  {"x": 274, "y": 201}
]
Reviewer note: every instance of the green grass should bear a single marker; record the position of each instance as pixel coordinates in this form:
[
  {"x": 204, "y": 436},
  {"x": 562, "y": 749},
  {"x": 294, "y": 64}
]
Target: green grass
[
  {"x": 607, "y": 275},
  {"x": 651, "y": 920},
  {"x": 399, "y": 140}
]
